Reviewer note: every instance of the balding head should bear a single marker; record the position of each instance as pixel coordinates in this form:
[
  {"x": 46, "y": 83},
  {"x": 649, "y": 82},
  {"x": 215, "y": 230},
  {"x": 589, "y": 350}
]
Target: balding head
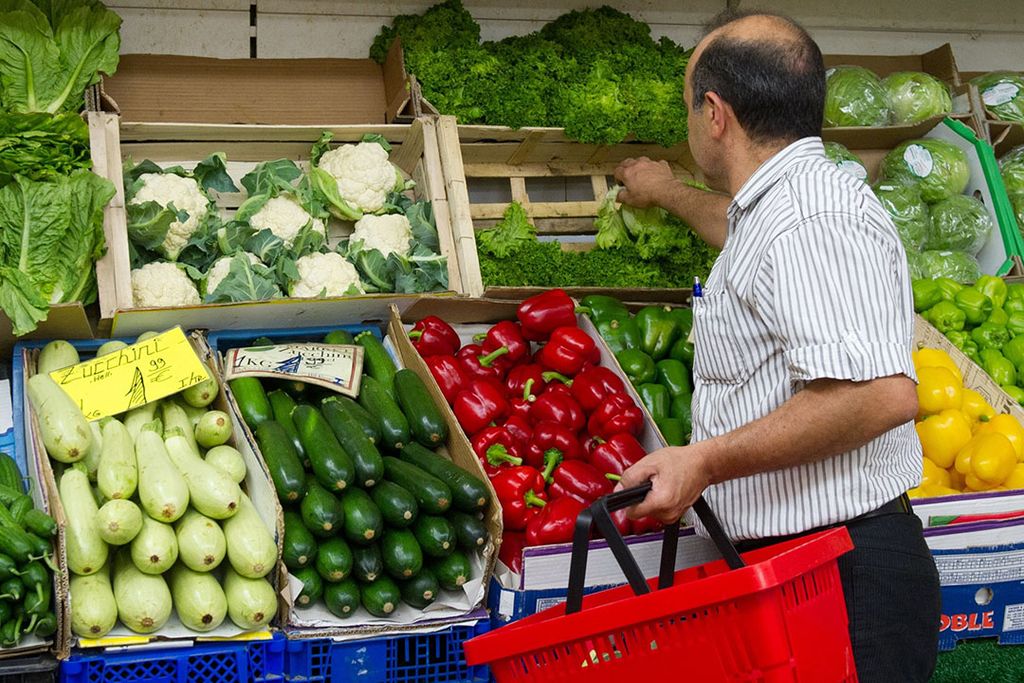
[{"x": 767, "y": 68}]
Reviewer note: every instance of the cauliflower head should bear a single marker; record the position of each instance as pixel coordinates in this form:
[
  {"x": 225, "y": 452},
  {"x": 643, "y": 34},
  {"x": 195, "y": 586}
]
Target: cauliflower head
[
  {"x": 184, "y": 193},
  {"x": 388, "y": 234},
  {"x": 285, "y": 217},
  {"x": 324, "y": 275},
  {"x": 364, "y": 174},
  {"x": 220, "y": 269},
  {"x": 161, "y": 284}
]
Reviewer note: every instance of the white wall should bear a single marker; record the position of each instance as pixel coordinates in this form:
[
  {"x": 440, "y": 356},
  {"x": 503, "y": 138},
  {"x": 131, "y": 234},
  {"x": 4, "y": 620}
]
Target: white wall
[{"x": 986, "y": 34}]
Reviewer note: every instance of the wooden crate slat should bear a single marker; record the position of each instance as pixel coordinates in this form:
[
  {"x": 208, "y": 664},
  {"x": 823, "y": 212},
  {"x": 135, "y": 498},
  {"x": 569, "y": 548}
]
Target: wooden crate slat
[
  {"x": 538, "y": 210},
  {"x": 458, "y": 205},
  {"x": 600, "y": 185}
]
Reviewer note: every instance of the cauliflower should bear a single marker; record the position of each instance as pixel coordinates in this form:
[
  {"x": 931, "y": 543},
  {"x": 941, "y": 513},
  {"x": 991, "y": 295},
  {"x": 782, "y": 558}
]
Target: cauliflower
[
  {"x": 184, "y": 193},
  {"x": 325, "y": 275},
  {"x": 364, "y": 174},
  {"x": 220, "y": 269},
  {"x": 284, "y": 217},
  {"x": 388, "y": 234},
  {"x": 162, "y": 284}
]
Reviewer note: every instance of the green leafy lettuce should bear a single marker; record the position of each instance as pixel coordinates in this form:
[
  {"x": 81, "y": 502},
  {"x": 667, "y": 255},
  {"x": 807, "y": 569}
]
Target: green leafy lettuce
[{"x": 41, "y": 146}]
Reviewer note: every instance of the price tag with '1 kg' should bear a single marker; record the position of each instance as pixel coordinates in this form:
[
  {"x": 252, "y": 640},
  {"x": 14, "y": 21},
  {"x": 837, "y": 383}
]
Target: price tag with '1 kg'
[{"x": 133, "y": 376}]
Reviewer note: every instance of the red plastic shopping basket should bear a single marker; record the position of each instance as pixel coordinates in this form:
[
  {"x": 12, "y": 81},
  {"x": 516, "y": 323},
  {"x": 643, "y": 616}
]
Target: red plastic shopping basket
[{"x": 780, "y": 617}]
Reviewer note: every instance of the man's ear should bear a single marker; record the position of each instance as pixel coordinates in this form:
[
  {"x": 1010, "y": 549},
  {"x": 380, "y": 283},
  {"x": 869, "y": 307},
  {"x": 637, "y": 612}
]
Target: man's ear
[{"x": 719, "y": 114}]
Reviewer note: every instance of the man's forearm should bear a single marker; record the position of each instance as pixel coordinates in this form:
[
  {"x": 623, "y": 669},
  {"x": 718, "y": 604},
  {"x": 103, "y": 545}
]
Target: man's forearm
[{"x": 704, "y": 211}]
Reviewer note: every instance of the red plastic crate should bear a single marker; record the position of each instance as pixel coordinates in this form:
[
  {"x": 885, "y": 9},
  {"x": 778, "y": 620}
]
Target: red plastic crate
[{"x": 780, "y": 619}]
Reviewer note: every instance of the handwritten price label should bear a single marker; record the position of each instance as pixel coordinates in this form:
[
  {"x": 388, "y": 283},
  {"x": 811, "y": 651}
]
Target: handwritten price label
[
  {"x": 332, "y": 366},
  {"x": 133, "y": 376}
]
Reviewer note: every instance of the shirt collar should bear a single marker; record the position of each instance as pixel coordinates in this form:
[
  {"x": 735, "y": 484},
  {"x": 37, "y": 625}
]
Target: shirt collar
[{"x": 769, "y": 173}]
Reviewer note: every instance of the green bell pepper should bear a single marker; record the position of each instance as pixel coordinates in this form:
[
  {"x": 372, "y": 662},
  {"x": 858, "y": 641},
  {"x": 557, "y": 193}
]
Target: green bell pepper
[
  {"x": 673, "y": 375},
  {"x": 958, "y": 338},
  {"x": 990, "y": 336},
  {"x": 993, "y": 287},
  {"x": 1014, "y": 306},
  {"x": 998, "y": 367},
  {"x": 638, "y": 366},
  {"x": 620, "y": 334},
  {"x": 656, "y": 398},
  {"x": 673, "y": 430},
  {"x": 948, "y": 287},
  {"x": 926, "y": 294},
  {"x": 998, "y": 317},
  {"x": 658, "y": 330},
  {"x": 682, "y": 350},
  {"x": 945, "y": 316},
  {"x": 1015, "y": 392},
  {"x": 684, "y": 317},
  {"x": 975, "y": 305},
  {"x": 603, "y": 308},
  {"x": 1014, "y": 350},
  {"x": 680, "y": 409},
  {"x": 1015, "y": 324},
  {"x": 1015, "y": 292}
]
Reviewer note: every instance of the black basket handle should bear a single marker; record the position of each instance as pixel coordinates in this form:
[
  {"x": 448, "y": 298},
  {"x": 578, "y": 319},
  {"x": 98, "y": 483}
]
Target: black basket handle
[{"x": 599, "y": 514}]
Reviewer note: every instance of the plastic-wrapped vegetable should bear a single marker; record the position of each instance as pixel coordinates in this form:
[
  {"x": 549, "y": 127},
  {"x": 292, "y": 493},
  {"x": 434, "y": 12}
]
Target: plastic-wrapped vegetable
[
  {"x": 916, "y": 265},
  {"x": 1003, "y": 94},
  {"x": 956, "y": 265},
  {"x": 908, "y": 212},
  {"x": 916, "y": 96},
  {"x": 960, "y": 223},
  {"x": 939, "y": 167},
  {"x": 846, "y": 160},
  {"x": 1012, "y": 167},
  {"x": 854, "y": 96}
]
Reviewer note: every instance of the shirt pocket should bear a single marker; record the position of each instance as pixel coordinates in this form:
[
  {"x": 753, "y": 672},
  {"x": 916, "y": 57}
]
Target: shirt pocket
[{"x": 718, "y": 358}]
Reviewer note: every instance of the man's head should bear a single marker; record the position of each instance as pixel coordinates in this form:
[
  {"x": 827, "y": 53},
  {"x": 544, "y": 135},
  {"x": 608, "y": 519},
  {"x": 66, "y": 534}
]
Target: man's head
[{"x": 755, "y": 83}]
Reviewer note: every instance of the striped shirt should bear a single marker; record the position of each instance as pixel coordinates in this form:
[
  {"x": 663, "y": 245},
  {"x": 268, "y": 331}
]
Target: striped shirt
[{"x": 812, "y": 283}]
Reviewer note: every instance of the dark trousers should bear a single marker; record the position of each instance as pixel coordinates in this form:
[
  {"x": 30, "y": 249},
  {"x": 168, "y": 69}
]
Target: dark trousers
[{"x": 892, "y": 598}]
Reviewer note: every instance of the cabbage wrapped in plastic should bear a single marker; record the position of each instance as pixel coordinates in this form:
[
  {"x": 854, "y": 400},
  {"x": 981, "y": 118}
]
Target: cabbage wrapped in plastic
[
  {"x": 855, "y": 96},
  {"x": 1012, "y": 168},
  {"x": 939, "y": 167},
  {"x": 916, "y": 266},
  {"x": 956, "y": 265},
  {"x": 916, "y": 96},
  {"x": 846, "y": 160},
  {"x": 908, "y": 212},
  {"x": 1003, "y": 94},
  {"x": 960, "y": 223}
]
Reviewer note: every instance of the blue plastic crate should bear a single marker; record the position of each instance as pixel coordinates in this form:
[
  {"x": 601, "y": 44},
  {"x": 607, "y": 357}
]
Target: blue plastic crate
[
  {"x": 223, "y": 340},
  {"x": 415, "y": 658},
  {"x": 260, "y": 661}
]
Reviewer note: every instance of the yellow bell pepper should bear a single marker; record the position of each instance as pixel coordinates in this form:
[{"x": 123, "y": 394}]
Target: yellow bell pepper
[
  {"x": 1008, "y": 426},
  {"x": 933, "y": 475},
  {"x": 975, "y": 407},
  {"x": 936, "y": 358},
  {"x": 937, "y": 390},
  {"x": 943, "y": 435},
  {"x": 956, "y": 480},
  {"x": 987, "y": 461},
  {"x": 1016, "y": 478}
]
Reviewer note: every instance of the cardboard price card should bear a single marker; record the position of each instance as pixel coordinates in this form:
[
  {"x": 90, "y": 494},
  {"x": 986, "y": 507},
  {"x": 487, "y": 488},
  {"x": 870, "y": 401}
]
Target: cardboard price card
[
  {"x": 333, "y": 366},
  {"x": 133, "y": 376}
]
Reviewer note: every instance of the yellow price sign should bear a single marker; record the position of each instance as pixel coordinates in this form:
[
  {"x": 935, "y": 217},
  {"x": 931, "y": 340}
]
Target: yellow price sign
[{"x": 133, "y": 376}]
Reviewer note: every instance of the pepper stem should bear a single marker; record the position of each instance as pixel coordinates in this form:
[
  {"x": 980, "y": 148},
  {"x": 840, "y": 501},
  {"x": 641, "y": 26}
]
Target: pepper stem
[
  {"x": 583, "y": 310},
  {"x": 497, "y": 455},
  {"x": 610, "y": 476},
  {"x": 527, "y": 393},
  {"x": 485, "y": 361},
  {"x": 552, "y": 375},
  {"x": 415, "y": 334},
  {"x": 480, "y": 337},
  {"x": 533, "y": 500},
  {"x": 552, "y": 459}
]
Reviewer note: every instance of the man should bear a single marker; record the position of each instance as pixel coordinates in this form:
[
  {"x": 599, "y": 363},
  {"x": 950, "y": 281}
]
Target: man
[{"x": 805, "y": 389}]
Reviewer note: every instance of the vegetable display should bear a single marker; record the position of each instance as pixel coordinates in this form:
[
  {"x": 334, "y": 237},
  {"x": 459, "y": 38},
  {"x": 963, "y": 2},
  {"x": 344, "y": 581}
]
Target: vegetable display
[
  {"x": 374, "y": 516},
  {"x": 596, "y": 72},
  {"x": 160, "y": 525},
  {"x": 1011, "y": 166},
  {"x": 915, "y": 96},
  {"x": 1002, "y": 92},
  {"x": 855, "y": 96},
  {"x": 551, "y": 427},
  {"x": 277, "y": 243},
  {"x": 846, "y": 160}
]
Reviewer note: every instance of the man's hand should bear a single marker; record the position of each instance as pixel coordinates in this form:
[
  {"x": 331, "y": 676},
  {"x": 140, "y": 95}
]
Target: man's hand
[
  {"x": 645, "y": 182},
  {"x": 677, "y": 475}
]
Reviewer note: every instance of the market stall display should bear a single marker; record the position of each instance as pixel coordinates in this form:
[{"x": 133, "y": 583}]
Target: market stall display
[{"x": 1011, "y": 165}]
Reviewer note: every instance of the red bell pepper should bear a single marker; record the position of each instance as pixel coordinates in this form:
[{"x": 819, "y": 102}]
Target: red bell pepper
[
  {"x": 542, "y": 314},
  {"x": 496, "y": 449},
  {"x": 567, "y": 351},
  {"x": 479, "y": 405},
  {"x": 550, "y": 445},
  {"x": 511, "y": 550},
  {"x": 480, "y": 365},
  {"x": 520, "y": 491},
  {"x": 508, "y": 335},
  {"x": 557, "y": 387},
  {"x": 580, "y": 480},
  {"x": 449, "y": 375},
  {"x": 644, "y": 525},
  {"x": 617, "y": 454},
  {"x": 621, "y": 521},
  {"x": 555, "y": 407},
  {"x": 519, "y": 376},
  {"x": 592, "y": 386},
  {"x": 617, "y": 413},
  {"x": 590, "y": 444},
  {"x": 521, "y": 429},
  {"x": 555, "y": 523},
  {"x": 434, "y": 337}
]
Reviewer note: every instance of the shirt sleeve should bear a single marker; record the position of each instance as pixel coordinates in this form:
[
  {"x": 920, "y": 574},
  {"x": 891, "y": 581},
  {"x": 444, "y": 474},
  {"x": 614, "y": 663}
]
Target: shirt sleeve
[{"x": 836, "y": 292}]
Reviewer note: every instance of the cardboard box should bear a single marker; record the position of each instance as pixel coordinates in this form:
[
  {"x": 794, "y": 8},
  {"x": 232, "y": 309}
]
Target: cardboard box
[
  {"x": 1004, "y": 135},
  {"x": 414, "y": 151}
]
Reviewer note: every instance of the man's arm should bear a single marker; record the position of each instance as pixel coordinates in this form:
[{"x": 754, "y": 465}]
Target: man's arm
[
  {"x": 826, "y": 418},
  {"x": 651, "y": 183}
]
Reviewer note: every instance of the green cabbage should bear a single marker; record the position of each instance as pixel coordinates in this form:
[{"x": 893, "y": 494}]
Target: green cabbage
[
  {"x": 1003, "y": 94},
  {"x": 1012, "y": 167},
  {"x": 916, "y": 266},
  {"x": 846, "y": 160},
  {"x": 908, "y": 212},
  {"x": 939, "y": 167},
  {"x": 916, "y": 96},
  {"x": 855, "y": 96},
  {"x": 960, "y": 223},
  {"x": 956, "y": 265}
]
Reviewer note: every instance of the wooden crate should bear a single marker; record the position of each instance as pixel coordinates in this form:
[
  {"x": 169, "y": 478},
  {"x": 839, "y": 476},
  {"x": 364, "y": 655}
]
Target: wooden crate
[{"x": 415, "y": 152}]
